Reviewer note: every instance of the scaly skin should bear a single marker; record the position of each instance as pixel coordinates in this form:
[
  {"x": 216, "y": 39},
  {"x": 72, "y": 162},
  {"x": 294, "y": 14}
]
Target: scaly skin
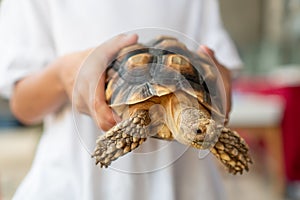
[
  {"x": 188, "y": 125},
  {"x": 122, "y": 138},
  {"x": 232, "y": 151}
]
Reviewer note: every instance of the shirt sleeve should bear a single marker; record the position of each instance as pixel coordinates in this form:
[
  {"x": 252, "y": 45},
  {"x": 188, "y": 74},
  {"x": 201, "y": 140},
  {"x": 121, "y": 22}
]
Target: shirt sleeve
[
  {"x": 26, "y": 45},
  {"x": 214, "y": 35}
]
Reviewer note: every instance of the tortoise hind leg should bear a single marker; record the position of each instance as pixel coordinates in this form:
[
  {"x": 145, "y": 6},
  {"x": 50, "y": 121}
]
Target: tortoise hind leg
[
  {"x": 232, "y": 151},
  {"x": 122, "y": 138}
]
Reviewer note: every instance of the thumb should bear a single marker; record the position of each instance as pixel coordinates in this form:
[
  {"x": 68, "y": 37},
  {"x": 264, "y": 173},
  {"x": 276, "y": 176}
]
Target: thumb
[
  {"x": 102, "y": 113},
  {"x": 114, "y": 45}
]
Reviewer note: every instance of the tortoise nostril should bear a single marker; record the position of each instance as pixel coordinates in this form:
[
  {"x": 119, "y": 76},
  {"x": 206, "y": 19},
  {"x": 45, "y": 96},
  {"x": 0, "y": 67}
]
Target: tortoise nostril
[{"x": 199, "y": 131}]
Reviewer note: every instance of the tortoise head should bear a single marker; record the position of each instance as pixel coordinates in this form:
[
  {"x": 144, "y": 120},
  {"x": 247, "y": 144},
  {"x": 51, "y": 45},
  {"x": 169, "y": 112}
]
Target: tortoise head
[{"x": 197, "y": 128}]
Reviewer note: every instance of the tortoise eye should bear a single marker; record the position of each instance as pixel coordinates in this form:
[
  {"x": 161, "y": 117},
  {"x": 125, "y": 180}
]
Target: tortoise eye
[{"x": 199, "y": 131}]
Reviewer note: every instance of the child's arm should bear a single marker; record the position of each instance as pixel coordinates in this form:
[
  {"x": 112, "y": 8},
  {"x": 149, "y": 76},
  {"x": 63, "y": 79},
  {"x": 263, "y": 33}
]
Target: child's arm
[
  {"x": 37, "y": 95},
  {"x": 42, "y": 93}
]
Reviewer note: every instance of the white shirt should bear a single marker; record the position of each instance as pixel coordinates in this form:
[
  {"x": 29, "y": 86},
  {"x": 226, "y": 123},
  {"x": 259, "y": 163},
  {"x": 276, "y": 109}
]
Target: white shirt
[{"x": 34, "y": 33}]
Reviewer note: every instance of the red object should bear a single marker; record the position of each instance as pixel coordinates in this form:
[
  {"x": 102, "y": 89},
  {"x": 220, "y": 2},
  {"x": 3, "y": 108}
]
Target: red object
[
  {"x": 291, "y": 131},
  {"x": 290, "y": 124}
]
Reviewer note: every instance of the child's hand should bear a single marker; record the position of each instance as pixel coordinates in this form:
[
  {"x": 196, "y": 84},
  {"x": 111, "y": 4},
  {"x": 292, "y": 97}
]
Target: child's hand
[
  {"x": 226, "y": 76},
  {"x": 89, "y": 97}
]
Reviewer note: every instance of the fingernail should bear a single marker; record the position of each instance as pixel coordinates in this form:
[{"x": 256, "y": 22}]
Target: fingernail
[
  {"x": 123, "y": 36},
  {"x": 203, "y": 48},
  {"x": 130, "y": 36}
]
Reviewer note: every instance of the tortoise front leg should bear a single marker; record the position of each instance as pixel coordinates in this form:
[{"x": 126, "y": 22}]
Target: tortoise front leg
[
  {"x": 232, "y": 151},
  {"x": 122, "y": 138}
]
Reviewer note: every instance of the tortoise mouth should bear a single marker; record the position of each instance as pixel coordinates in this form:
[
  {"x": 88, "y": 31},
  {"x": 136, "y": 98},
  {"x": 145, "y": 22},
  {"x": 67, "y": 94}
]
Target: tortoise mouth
[
  {"x": 196, "y": 140},
  {"x": 197, "y": 136},
  {"x": 204, "y": 137}
]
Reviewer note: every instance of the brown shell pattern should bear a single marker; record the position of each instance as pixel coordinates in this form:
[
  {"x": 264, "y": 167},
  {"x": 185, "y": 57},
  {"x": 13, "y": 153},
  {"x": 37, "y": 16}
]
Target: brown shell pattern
[{"x": 158, "y": 68}]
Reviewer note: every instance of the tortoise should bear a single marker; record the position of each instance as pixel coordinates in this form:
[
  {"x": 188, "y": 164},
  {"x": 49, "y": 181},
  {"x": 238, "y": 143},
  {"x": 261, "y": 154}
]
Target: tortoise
[{"x": 165, "y": 72}]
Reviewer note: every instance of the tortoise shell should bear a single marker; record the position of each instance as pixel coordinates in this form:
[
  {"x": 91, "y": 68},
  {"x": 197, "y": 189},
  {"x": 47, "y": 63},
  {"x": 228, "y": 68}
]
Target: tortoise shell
[{"x": 163, "y": 66}]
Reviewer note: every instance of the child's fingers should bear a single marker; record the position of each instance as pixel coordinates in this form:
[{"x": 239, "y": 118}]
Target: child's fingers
[
  {"x": 226, "y": 76},
  {"x": 210, "y": 52},
  {"x": 103, "y": 114}
]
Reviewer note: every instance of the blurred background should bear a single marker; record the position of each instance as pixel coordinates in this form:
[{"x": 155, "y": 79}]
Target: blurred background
[{"x": 265, "y": 104}]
